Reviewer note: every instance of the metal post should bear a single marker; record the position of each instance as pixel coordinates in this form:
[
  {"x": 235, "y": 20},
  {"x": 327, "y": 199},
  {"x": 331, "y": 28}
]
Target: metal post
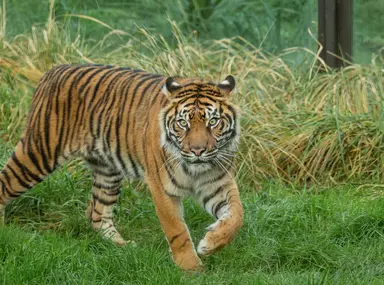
[
  {"x": 335, "y": 31},
  {"x": 344, "y": 23}
]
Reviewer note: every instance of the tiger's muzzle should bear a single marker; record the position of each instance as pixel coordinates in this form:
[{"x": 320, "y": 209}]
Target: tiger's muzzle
[{"x": 199, "y": 146}]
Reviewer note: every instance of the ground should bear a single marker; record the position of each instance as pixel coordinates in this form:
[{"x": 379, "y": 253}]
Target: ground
[{"x": 307, "y": 236}]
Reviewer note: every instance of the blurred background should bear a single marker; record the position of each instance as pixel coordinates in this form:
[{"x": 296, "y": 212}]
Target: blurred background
[{"x": 273, "y": 25}]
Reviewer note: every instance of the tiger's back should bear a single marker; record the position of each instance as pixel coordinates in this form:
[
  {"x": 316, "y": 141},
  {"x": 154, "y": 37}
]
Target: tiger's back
[
  {"x": 180, "y": 135},
  {"x": 93, "y": 112}
]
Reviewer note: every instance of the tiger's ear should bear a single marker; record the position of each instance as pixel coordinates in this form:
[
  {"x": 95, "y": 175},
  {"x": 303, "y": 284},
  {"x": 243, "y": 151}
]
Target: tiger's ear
[
  {"x": 170, "y": 87},
  {"x": 227, "y": 85}
]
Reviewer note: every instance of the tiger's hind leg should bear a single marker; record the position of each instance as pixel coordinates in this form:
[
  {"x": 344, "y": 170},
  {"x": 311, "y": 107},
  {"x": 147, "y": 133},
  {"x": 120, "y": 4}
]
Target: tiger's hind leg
[
  {"x": 24, "y": 169},
  {"x": 106, "y": 188}
]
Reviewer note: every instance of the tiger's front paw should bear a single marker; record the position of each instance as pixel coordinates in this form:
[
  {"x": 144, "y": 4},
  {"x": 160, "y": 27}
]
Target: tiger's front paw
[
  {"x": 219, "y": 234},
  {"x": 211, "y": 243}
]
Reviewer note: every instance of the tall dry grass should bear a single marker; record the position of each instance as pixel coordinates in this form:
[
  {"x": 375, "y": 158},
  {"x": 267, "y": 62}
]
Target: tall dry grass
[{"x": 300, "y": 124}]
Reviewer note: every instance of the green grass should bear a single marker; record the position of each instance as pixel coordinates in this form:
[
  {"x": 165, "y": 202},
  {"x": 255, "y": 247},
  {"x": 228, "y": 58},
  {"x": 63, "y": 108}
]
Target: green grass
[
  {"x": 312, "y": 236},
  {"x": 308, "y": 236}
]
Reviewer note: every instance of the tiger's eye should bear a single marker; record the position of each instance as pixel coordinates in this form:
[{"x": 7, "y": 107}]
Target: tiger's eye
[
  {"x": 213, "y": 121},
  {"x": 183, "y": 123}
]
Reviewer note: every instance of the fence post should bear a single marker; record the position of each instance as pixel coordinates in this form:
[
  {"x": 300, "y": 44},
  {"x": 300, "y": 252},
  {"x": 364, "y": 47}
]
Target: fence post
[{"x": 335, "y": 31}]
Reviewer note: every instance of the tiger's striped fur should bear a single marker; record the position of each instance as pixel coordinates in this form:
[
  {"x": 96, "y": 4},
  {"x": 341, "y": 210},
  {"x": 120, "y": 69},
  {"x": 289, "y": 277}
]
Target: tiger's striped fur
[{"x": 180, "y": 135}]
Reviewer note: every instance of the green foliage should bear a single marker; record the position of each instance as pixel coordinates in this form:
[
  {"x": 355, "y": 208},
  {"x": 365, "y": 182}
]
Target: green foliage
[
  {"x": 289, "y": 237},
  {"x": 272, "y": 24},
  {"x": 368, "y": 38}
]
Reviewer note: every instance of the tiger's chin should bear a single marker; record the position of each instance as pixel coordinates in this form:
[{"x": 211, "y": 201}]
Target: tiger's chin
[{"x": 197, "y": 167}]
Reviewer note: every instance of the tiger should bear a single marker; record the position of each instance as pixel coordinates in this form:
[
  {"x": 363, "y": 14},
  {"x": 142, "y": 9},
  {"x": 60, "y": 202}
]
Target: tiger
[{"x": 179, "y": 135}]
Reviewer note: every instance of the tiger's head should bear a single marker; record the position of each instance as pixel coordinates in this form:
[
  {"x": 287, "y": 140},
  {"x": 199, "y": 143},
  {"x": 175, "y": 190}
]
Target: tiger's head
[{"x": 200, "y": 126}]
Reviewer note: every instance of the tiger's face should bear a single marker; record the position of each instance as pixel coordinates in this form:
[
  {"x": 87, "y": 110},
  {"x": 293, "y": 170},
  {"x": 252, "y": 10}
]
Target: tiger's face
[{"x": 200, "y": 126}]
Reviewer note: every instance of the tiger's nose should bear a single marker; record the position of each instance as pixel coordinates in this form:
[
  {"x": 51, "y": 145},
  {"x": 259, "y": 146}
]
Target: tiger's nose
[{"x": 198, "y": 151}]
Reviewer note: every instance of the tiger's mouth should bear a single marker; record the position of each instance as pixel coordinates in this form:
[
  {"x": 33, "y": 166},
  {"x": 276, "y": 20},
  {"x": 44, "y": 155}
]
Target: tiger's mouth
[{"x": 196, "y": 160}]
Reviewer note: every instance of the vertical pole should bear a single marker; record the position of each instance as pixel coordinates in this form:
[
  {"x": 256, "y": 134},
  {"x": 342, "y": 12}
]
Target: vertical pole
[
  {"x": 335, "y": 31},
  {"x": 321, "y": 27},
  {"x": 331, "y": 41},
  {"x": 345, "y": 28}
]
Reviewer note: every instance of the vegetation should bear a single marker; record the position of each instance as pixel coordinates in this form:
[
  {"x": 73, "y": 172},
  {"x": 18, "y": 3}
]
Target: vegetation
[
  {"x": 289, "y": 237},
  {"x": 300, "y": 124},
  {"x": 312, "y": 147}
]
